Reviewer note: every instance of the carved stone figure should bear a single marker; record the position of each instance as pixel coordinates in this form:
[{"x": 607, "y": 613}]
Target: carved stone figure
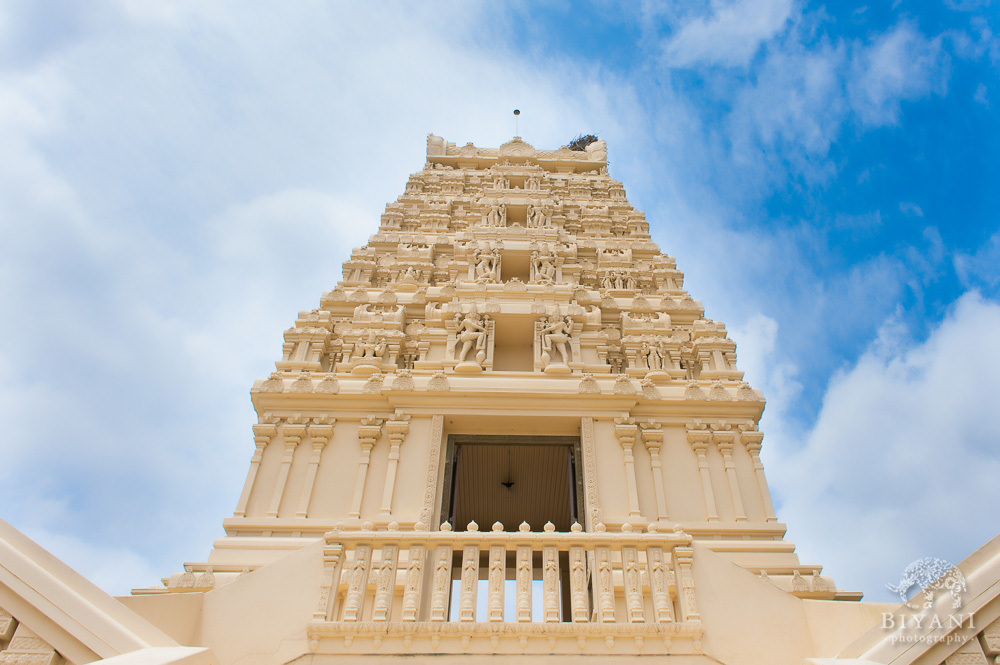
[
  {"x": 497, "y": 216},
  {"x": 544, "y": 267},
  {"x": 486, "y": 265},
  {"x": 471, "y": 334},
  {"x": 650, "y": 356},
  {"x": 372, "y": 347},
  {"x": 537, "y": 217},
  {"x": 556, "y": 336}
]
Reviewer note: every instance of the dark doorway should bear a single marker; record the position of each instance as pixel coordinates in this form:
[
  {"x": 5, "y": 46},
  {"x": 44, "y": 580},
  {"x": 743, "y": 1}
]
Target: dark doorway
[{"x": 512, "y": 479}]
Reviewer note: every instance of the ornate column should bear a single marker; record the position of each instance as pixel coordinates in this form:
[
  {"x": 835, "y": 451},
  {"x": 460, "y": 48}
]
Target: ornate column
[
  {"x": 660, "y": 573},
  {"x": 470, "y": 583},
  {"x": 262, "y": 435},
  {"x": 699, "y": 438},
  {"x": 397, "y": 430},
  {"x": 496, "y": 575},
  {"x": 550, "y": 583},
  {"x": 588, "y": 445},
  {"x": 652, "y": 438},
  {"x": 414, "y": 581},
  {"x": 441, "y": 583},
  {"x": 724, "y": 440},
  {"x": 603, "y": 588},
  {"x": 578, "y": 583},
  {"x": 333, "y": 558},
  {"x": 368, "y": 434},
  {"x": 631, "y": 577},
  {"x": 684, "y": 556},
  {"x": 522, "y": 578},
  {"x": 357, "y": 582},
  {"x": 752, "y": 440},
  {"x": 292, "y": 434},
  {"x": 385, "y": 583},
  {"x": 319, "y": 433},
  {"x": 433, "y": 464},
  {"x": 626, "y": 434}
]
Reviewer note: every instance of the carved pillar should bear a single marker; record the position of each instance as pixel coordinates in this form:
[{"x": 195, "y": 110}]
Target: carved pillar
[
  {"x": 333, "y": 558},
  {"x": 752, "y": 440},
  {"x": 385, "y": 583},
  {"x": 497, "y": 576},
  {"x": 397, "y": 430},
  {"x": 578, "y": 583},
  {"x": 699, "y": 443},
  {"x": 626, "y": 437},
  {"x": 724, "y": 440},
  {"x": 684, "y": 557},
  {"x": 368, "y": 434},
  {"x": 319, "y": 433},
  {"x": 441, "y": 584},
  {"x": 652, "y": 438},
  {"x": 414, "y": 581},
  {"x": 588, "y": 444},
  {"x": 293, "y": 435},
  {"x": 523, "y": 583},
  {"x": 659, "y": 570},
  {"x": 357, "y": 582},
  {"x": 605, "y": 590},
  {"x": 633, "y": 587},
  {"x": 550, "y": 583},
  {"x": 262, "y": 435},
  {"x": 470, "y": 583},
  {"x": 433, "y": 464}
]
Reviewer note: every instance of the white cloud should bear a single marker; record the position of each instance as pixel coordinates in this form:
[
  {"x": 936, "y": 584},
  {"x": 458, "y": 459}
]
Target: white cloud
[
  {"x": 731, "y": 35},
  {"x": 979, "y": 269},
  {"x": 902, "y": 458},
  {"x": 981, "y": 95},
  {"x": 177, "y": 182},
  {"x": 804, "y": 92},
  {"x": 900, "y": 65}
]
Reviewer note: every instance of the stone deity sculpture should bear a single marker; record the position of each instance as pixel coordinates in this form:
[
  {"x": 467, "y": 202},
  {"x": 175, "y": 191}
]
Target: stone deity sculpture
[
  {"x": 556, "y": 336},
  {"x": 486, "y": 265},
  {"x": 544, "y": 267},
  {"x": 497, "y": 216},
  {"x": 372, "y": 348},
  {"x": 471, "y": 334}
]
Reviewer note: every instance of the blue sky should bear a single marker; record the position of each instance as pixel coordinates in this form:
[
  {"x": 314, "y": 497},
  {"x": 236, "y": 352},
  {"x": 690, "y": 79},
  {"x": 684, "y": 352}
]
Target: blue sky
[{"x": 179, "y": 179}]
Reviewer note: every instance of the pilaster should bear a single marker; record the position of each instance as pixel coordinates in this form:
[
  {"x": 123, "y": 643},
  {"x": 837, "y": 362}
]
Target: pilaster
[
  {"x": 320, "y": 432},
  {"x": 368, "y": 435},
  {"x": 699, "y": 440},
  {"x": 292, "y": 433}
]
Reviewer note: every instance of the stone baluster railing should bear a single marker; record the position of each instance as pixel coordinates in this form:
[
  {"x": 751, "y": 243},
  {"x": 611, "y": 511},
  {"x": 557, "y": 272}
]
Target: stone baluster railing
[{"x": 436, "y": 577}]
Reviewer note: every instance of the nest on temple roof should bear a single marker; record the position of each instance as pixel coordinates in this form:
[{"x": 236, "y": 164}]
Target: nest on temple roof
[{"x": 581, "y": 142}]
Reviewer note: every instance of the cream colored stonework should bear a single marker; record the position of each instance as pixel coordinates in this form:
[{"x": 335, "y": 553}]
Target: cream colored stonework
[{"x": 511, "y": 307}]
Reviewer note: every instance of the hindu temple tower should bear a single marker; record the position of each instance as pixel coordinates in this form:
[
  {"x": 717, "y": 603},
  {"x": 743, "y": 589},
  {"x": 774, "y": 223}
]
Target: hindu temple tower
[{"x": 508, "y": 434}]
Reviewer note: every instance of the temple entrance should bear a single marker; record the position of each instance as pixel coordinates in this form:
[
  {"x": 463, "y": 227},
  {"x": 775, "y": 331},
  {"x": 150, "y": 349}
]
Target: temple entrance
[{"x": 512, "y": 479}]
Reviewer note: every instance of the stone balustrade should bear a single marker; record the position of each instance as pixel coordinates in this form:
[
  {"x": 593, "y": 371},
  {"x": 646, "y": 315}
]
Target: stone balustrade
[{"x": 474, "y": 591}]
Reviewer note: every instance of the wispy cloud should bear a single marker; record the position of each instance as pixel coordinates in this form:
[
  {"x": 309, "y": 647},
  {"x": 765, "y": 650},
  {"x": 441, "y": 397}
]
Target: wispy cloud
[
  {"x": 901, "y": 455},
  {"x": 898, "y": 66},
  {"x": 731, "y": 34}
]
